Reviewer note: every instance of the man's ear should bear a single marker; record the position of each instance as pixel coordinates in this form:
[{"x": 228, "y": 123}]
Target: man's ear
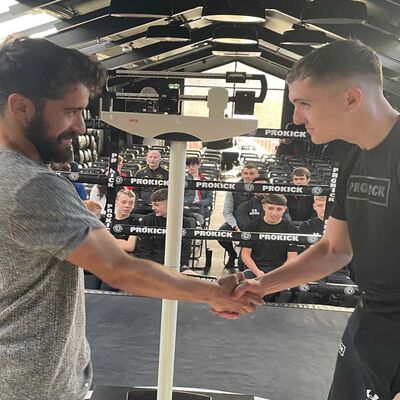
[
  {"x": 21, "y": 108},
  {"x": 353, "y": 97}
]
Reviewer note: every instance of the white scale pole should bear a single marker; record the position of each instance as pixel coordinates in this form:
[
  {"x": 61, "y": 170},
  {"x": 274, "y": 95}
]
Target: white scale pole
[{"x": 169, "y": 312}]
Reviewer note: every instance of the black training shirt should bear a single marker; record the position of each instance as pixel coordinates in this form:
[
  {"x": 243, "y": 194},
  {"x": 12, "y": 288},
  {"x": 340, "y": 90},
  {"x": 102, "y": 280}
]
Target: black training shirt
[
  {"x": 368, "y": 198},
  {"x": 270, "y": 254}
]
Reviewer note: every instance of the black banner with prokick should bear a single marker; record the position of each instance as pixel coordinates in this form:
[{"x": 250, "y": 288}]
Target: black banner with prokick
[
  {"x": 117, "y": 180},
  {"x": 190, "y": 233}
]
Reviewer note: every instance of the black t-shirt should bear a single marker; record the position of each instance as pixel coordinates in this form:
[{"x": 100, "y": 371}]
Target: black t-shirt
[
  {"x": 131, "y": 220},
  {"x": 368, "y": 198},
  {"x": 300, "y": 207},
  {"x": 311, "y": 226},
  {"x": 271, "y": 254},
  {"x": 152, "y": 247}
]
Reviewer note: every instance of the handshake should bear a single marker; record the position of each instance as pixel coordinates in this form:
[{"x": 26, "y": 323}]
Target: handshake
[{"x": 236, "y": 296}]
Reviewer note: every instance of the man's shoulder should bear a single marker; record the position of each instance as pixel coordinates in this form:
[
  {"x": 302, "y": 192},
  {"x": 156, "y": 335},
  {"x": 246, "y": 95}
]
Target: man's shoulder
[{"x": 141, "y": 171}]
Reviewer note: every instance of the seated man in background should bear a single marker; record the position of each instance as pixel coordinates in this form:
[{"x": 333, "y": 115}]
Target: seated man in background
[
  {"x": 153, "y": 170},
  {"x": 197, "y": 203},
  {"x": 300, "y": 207},
  {"x": 153, "y": 247},
  {"x": 316, "y": 224},
  {"x": 262, "y": 257},
  {"x": 124, "y": 204},
  {"x": 231, "y": 204},
  {"x": 250, "y": 211}
]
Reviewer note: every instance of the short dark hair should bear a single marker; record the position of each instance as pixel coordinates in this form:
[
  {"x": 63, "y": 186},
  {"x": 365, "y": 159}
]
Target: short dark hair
[
  {"x": 192, "y": 161},
  {"x": 159, "y": 195},
  {"x": 341, "y": 59},
  {"x": 276, "y": 199},
  {"x": 301, "y": 171},
  {"x": 261, "y": 178},
  {"x": 40, "y": 70}
]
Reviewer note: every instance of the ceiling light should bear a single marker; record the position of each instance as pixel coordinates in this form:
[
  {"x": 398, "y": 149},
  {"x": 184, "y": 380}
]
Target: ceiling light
[
  {"x": 235, "y": 35},
  {"x": 168, "y": 33},
  {"x": 234, "y": 11},
  {"x": 234, "y": 50},
  {"x": 300, "y": 36},
  {"x": 334, "y": 12},
  {"x": 140, "y": 8}
]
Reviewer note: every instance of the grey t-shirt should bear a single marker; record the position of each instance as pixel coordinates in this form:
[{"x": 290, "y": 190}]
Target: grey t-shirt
[{"x": 44, "y": 354}]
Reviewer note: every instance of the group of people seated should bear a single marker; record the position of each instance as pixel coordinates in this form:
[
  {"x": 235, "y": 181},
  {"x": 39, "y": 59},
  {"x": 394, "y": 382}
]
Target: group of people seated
[
  {"x": 243, "y": 211},
  {"x": 145, "y": 206},
  {"x": 197, "y": 203}
]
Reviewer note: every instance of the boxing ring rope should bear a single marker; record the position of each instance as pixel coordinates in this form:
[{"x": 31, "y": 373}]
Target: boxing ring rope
[
  {"x": 181, "y": 129},
  {"x": 174, "y": 230}
]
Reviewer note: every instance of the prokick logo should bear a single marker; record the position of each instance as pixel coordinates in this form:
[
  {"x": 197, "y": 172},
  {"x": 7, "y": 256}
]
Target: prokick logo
[
  {"x": 370, "y": 396},
  {"x": 368, "y": 188}
]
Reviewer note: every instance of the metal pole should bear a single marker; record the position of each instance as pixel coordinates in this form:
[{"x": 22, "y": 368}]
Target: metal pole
[{"x": 172, "y": 259}]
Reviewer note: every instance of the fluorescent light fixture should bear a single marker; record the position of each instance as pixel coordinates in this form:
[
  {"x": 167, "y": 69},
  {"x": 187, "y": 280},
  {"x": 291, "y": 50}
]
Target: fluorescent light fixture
[
  {"x": 334, "y": 12},
  {"x": 235, "y": 34},
  {"x": 140, "y": 8},
  {"x": 168, "y": 33},
  {"x": 234, "y": 50},
  {"x": 299, "y": 36},
  {"x": 234, "y": 11}
]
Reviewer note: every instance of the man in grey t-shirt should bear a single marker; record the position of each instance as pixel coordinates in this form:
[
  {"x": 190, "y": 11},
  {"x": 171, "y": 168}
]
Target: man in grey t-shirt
[{"x": 45, "y": 230}]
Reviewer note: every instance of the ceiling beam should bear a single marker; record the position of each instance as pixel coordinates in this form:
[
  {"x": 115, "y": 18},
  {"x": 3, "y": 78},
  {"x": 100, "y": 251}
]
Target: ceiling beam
[{"x": 199, "y": 35}]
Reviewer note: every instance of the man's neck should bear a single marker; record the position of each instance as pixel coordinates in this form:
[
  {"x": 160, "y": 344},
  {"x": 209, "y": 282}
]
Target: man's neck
[
  {"x": 14, "y": 139},
  {"x": 373, "y": 127}
]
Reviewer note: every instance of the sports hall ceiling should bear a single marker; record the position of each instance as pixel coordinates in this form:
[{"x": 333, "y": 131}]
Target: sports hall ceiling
[{"x": 120, "y": 42}]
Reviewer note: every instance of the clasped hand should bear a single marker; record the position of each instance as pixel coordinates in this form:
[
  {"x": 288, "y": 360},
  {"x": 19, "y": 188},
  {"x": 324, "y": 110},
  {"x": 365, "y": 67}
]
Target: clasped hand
[{"x": 237, "y": 296}]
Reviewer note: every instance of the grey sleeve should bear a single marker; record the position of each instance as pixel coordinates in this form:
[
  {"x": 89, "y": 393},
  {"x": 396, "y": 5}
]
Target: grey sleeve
[
  {"x": 190, "y": 194},
  {"x": 228, "y": 210},
  {"x": 49, "y": 217}
]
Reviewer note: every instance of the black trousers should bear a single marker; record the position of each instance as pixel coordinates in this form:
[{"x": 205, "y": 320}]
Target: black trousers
[
  {"x": 368, "y": 363},
  {"x": 227, "y": 245}
]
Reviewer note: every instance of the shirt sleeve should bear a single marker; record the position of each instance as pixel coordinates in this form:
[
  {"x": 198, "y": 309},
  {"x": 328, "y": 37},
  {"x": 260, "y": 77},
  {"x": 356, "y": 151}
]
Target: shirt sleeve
[
  {"x": 291, "y": 228},
  {"x": 228, "y": 210},
  {"x": 144, "y": 247},
  {"x": 49, "y": 217}
]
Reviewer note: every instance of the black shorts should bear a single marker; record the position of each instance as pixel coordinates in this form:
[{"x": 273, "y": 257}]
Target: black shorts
[{"x": 368, "y": 363}]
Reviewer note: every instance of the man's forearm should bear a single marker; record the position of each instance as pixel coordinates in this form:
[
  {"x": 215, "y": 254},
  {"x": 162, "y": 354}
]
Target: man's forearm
[
  {"x": 147, "y": 278},
  {"x": 251, "y": 265},
  {"x": 315, "y": 263}
]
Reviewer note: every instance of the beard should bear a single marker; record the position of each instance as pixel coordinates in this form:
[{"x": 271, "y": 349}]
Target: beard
[{"x": 50, "y": 150}]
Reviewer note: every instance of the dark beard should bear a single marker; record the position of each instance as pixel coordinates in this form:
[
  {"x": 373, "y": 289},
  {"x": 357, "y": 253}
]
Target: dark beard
[{"x": 49, "y": 150}]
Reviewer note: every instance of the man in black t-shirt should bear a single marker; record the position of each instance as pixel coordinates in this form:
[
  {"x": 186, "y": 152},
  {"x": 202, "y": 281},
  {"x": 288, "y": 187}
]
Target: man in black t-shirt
[
  {"x": 250, "y": 211},
  {"x": 152, "y": 247},
  {"x": 261, "y": 257},
  {"x": 300, "y": 207},
  {"x": 337, "y": 93},
  {"x": 316, "y": 224}
]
